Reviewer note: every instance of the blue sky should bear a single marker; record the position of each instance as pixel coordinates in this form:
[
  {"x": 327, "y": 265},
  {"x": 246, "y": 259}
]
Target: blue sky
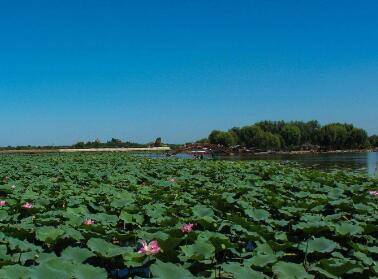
[{"x": 76, "y": 70}]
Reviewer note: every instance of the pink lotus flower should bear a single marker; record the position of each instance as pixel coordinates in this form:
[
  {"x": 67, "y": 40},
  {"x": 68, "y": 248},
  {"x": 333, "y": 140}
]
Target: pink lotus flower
[
  {"x": 89, "y": 222},
  {"x": 3, "y": 203},
  {"x": 373, "y": 193},
  {"x": 149, "y": 249},
  {"x": 27, "y": 205},
  {"x": 187, "y": 228}
]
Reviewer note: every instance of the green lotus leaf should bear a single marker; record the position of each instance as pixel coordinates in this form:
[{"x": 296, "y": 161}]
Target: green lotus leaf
[
  {"x": 202, "y": 211},
  {"x": 375, "y": 269},
  {"x": 220, "y": 241},
  {"x": 364, "y": 258},
  {"x": 132, "y": 258},
  {"x": 242, "y": 272},
  {"x": 14, "y": 272},
  {"x": 323, "y": 272},
  {"x": 71, "y": 233},
  {"x": 45, "y": 257},
  {"x": 278, "y": 206},
  {"x": 76, "y": 254},
  {"x": 264, "y": 248},
  {"x": 85, "y": 271},
  {"x": 121, "y": 203},
  {"x": 129, "y": 218},
  {"x": 229, "y": 197},
  {"x": 257, "y": 214},
  {"x": 336, "y": 193},
  {"x": 26, "y": 256},
  {"x": 159, "y": 235},
  {"x": 200, "y": 250},
  {"x": 4, "y": 257},
  {"x": 312, "y": 227},
  {"x": 287, "y": 270},
  {"x": 126, "y": 217},
  {"x": 346, "y": 228},
  {"x": 373, "y": 249},
  {"x": 104, "y": 218},
  {"x": 4, "y": 216},
  {"x": 21, "y": 245},
  {"x": 59, "y": 268},
  {"x": 282, "y": 236},
  {"x": 261, "y": 260},
  {"x": 53, "y": 268},
  {"x": 169, "y": 271},
  {"x": 320, "y": 245},
  {"x": 104, "y": 248},
  {"x": 340, "y": 267},
  {"x": 48, "y": 234},
  {"x": 6, "y": 189}
]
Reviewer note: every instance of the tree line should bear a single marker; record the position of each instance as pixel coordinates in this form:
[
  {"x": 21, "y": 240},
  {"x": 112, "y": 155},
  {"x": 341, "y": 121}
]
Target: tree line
[
  {"x": 113, "y": 143},
  {"x": 294, "y": 135}
]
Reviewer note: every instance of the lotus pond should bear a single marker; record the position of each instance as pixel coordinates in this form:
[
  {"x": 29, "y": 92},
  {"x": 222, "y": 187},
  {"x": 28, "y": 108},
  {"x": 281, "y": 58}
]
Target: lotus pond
[{"x": 111, "y": 215}]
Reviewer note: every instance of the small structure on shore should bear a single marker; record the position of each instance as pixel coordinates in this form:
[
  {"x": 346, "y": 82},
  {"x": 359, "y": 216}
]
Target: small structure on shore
[{"x": 202, "y": 149}]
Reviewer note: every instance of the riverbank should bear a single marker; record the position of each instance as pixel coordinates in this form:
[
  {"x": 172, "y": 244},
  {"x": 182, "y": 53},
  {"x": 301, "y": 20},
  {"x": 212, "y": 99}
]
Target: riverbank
[
  {"x": 163, "y": 149},
  {"x": 74, "y": 150},
  {"x": 306, "y": 152}
]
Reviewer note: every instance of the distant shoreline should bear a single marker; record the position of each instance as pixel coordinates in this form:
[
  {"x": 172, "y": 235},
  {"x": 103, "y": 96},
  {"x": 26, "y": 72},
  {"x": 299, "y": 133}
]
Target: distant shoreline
[
  {"x": 306, "y": 152},
  {"x": 160, "y": 149},
  {"x": 74, "y": 150}
]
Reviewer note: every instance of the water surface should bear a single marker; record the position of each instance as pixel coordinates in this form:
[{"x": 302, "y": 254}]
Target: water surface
[{"x": 366, "y": 162}]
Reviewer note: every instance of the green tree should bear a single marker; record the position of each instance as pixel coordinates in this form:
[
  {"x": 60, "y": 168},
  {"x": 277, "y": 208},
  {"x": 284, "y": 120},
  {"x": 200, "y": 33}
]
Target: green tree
[
  {"x": 236, "y": 133},
  {"x": 275, "y": 135},
  {"x": 334, "y": 136},
  {"x": 273, "y": 127},
  {"x": 309, "y": 131},
  {"x": 373, "y": 140},
  {"x": 80, "y": 144},
  {"x": 222, "y": 138},
  {"x": 96, "y": 143},
  {"x": 203, "y": 141},
  {"x": 270, "y": 141},
  {"x": 291, "y": 135},
  {"x": 213, "y": 137},
  {"x": 157, "y": 142},
  {"x": 251, "y": 136},
  {"x": 358, "y": 138},
  {"x": 114, "y": 143}
]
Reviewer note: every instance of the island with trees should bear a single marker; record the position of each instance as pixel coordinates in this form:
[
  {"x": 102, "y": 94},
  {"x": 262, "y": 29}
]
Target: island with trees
[{"x": 294, "y": 136}]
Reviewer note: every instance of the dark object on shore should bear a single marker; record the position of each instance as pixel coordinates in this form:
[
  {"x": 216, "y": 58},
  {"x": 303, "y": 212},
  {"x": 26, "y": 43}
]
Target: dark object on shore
[{"x": 202, "y": 149}]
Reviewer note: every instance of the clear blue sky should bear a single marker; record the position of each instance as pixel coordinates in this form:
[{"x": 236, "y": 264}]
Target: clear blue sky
[{"x": 77, "y": 70}]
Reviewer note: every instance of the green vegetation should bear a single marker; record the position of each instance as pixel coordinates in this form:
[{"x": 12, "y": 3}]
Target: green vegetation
[
  {"x": 113, "y": 143},
  {"x": 280, "y": 135},
  {"x": 374, "y": 140},
  {"x": 81, "y": 216}
]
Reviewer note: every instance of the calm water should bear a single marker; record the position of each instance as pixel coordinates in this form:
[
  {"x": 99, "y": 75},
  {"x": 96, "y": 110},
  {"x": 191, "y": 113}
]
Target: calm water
[{"x": 366, "y": 162}]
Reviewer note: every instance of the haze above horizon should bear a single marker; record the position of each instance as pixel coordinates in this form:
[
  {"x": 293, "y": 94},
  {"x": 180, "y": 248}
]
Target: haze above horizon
[{"x": 79, "y": 70}]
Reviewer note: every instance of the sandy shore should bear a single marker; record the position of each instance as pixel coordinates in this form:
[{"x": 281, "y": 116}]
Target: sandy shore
[{"x": 72, "y": 150}]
